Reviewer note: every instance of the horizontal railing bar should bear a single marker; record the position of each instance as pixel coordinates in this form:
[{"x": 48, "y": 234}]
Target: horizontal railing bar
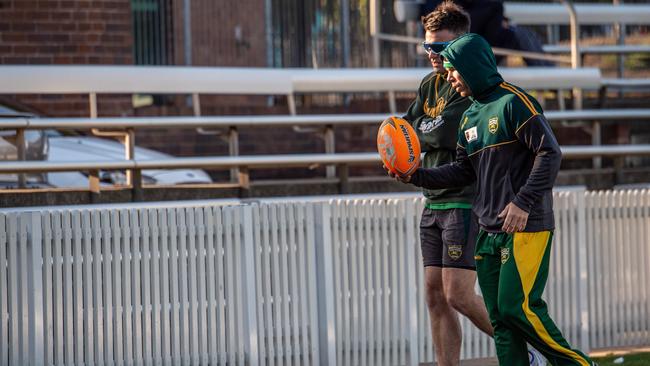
[
  {"x": 277, "y": 161},
  {"x": 273, "y": 121},
  {"x": 605, "y": 49},
  {"x": 587, "y": 151},
  {"x": 192, "y": 122},
  {"x": 626, "y": 83},
  {"x": 63, "y": 166}
]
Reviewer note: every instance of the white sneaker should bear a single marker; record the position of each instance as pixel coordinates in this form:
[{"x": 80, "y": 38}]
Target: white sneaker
[{"x": 535, "y": 358}]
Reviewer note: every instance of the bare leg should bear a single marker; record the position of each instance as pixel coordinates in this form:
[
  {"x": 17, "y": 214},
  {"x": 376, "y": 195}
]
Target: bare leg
[
  {"x": 458, "y": 285},
  {"x": 445, "y": 327}
]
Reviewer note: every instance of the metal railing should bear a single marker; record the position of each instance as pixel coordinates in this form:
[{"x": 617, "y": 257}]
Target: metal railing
[{"x": 243, "y": 164}]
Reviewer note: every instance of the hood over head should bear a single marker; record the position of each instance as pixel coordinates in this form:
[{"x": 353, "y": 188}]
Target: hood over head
[{"x": 472, "y": 56}]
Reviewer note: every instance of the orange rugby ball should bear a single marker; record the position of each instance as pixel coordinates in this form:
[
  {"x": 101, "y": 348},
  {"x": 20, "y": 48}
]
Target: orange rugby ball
[{"x": 398, "y": 146}]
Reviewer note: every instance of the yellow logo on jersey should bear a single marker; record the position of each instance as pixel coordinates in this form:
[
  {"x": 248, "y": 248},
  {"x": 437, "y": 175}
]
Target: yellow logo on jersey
[
  {"x": 493, "y": 125},
  {"x": 435, "y": 110}
]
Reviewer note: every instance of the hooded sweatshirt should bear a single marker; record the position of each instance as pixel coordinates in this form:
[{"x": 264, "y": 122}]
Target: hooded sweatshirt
[{"x": 505, "y": 144}]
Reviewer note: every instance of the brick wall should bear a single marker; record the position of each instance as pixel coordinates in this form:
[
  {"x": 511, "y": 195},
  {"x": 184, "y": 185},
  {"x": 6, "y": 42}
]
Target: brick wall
[{"x": 67, "y": 32}]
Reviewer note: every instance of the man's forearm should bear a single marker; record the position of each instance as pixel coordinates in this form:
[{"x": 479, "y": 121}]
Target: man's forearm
[{"x": 446, "y": 176}]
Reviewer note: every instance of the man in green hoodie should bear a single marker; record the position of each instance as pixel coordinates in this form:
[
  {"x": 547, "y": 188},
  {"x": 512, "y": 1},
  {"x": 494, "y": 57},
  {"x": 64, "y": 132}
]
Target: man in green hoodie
[
  {"x": 447, "y": 228},
  {"x": 506, "y": 145}
]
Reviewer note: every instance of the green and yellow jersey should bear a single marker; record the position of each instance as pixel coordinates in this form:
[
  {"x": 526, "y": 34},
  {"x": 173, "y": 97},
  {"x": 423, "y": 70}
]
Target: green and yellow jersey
[{"x": 435, "y": 115}]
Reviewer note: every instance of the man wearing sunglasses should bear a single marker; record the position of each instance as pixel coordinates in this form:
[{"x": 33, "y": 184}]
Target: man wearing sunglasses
[{"x": 447, "y": 229}]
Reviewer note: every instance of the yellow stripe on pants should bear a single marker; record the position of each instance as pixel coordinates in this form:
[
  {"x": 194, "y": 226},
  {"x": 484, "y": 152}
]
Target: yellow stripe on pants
[{"x": 528, "y": 251}]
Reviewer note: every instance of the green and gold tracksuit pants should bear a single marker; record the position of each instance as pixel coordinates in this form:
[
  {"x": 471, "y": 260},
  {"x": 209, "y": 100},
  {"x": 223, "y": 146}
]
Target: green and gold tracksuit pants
[{"x": 512, "y": 271}]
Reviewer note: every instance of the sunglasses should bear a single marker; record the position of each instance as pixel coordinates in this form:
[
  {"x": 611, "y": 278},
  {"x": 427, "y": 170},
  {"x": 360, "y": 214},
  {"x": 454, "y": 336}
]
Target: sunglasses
[{"x": 434, "y": 47}]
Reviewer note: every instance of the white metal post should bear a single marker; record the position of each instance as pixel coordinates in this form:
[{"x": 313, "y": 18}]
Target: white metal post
[
  {"x": 35, "y": 290},
  {"x": 583, "y": 267},
  {"x": 325, "y": 284},
  {"x": 249, "y": 294},
  {"x": 411, "y": 288}
]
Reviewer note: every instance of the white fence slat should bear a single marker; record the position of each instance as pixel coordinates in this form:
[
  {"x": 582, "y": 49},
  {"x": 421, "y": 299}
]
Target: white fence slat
[
  {"x": 637, "y": 269},
  {"x": 145, "y": 288},
  {"x": 363, "y": 303},
  {"x": 89, "y": 307},
  {"x": 266, "y": 249},
  {"x": 337, "y": 245},
  {"x": 4, "y": 314},
  {"x": 590, "y": 249},
  {"x": 211, "y": 285},
  {"x": 13, "y": 294},
  {"x": 366, "y": 287},
  {"x": 260, "y": 274},
  {"x": 57, "y": 290},
  {"x": 377, "y": 245},
  {"x": 284, "y": 279},
  {"x": 166, "y": 304},
  {"x": 98, "y": 319},
  {"x": 646, "y": 260},
  {"x": 220, "y": 243},
  {"x": 202, "y": 256},
  {"x": 319, "y": 268},
  {"x": 48, "y": 312},
  {"x": 250, "y": 353},
  {"x": 107, "y": 308},
  {"x": 192, "y": 294},
  {"x": 347, "y": 340},
  {"x": 128, "y": 306},
  {"x": 157, "y": 348},
  {"x": 231, "y": 336},
  {"x": 306, "y": 302},
  {"x": 68, "y": 309},
  {"x": 117, "y": 258},
  {"x": 22, "y": 316},
  {"x": 385, "y": 285},
  {"x": 183, "y": 290},
  {"x": 136, "y": 286},
  {"x": 310, "y": 232},
  {"x": 34, "y": 244},
  {"x": 239, "y": 284},
  {"x": 294, "y": 273},
  {"x": 78, "y": 306},
  {"x": 275, "y": 272},
  {"x": 175, "y": 297}
]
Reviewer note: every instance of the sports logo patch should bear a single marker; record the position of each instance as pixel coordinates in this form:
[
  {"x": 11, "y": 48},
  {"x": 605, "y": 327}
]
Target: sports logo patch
[
  {"x": 429, "y": 126},
  {"x": 455, "y": 251},
  {"x": 493, "y": 125},
  {"x": 505, "y": 255},
  {"x": 471, "y": 134}
]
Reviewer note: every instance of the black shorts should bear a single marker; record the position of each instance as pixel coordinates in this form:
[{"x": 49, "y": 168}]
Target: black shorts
[{"x": 448, "y": 238}]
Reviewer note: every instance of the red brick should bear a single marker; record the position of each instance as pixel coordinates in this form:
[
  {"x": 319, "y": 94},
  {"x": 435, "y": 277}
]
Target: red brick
[
  {"x": 14, "y": 37},
  {"x": 13, "y": 60},
  {"x": 62, "y": 60},
  {"x": 49, "y": 26},
  {"x": 40, "y": 60},
  {"x": 23, "y": 27}
]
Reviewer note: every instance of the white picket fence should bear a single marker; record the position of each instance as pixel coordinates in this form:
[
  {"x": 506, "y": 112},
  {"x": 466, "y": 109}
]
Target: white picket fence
[{"x": 336, "y": 282}]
